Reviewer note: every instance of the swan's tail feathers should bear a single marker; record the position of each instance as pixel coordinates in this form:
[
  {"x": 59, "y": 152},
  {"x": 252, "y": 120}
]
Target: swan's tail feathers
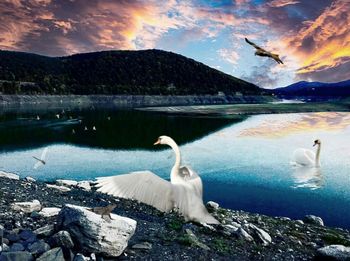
[{"x": 209, "y": 219}]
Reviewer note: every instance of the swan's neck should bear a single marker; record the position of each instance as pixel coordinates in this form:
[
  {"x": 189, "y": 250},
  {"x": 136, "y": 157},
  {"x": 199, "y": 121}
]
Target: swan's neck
[
  {"x": 317, "y": 160},
  {"x": 175, "y": 170}
]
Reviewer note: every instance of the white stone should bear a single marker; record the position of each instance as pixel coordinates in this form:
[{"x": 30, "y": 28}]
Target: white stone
[
  {"x": 213, "y": 205},
  {"x": 66, "y": 182},
  {"x": 8, "y": 175},
  {"x": 30, "y": 179},
  {"x": 334, "y": 252},
  {"x": 94, "y": 234},
  {"x": 84, "y": 185},
  {"x": 241, "y": 233},
  {"x": 311, "y": 219},
  {"x": 262, "y": 235},
  {"x": 27, "y": 207},
  {"x": 60, "y": 188},
  {"x": 49, "y": 212}
]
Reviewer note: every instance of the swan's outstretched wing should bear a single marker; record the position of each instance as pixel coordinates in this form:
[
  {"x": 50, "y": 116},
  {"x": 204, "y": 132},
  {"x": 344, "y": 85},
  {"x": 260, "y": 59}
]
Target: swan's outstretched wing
[
  {"x": 193, "y": 178},
  {"x": 304, "y": 157},
  {"x": 254, "y": 45},
  {"x": 143, "y": 186},
  {"x": 43, "y": 154}
]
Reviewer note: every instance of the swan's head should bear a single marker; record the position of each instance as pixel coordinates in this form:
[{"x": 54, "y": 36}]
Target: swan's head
[
  {"x": 164, "y": 140},
  {"x": 317, "y": 142}
]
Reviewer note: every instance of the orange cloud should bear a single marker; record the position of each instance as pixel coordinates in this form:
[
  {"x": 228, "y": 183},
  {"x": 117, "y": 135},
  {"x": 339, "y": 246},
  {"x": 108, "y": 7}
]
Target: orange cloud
[
  {"x": 323, "y": 43},
  {"x": 321, "y": 121}
]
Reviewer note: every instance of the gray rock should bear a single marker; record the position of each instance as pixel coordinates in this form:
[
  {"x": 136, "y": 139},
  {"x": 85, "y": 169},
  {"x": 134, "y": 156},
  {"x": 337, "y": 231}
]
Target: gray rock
[
  {"x": 4, "y": 247},
  {"x": 62, "y": 238},
  {"x": 241, "y": 233},
  {"x": 80, "y": 257},
  {"x": 93, "y": 234},
  {"x": 314, "y": 220},
  {"x": 144, "y": 245},
  {"x": 299, "y": 222},
  {"x": 16, "y": 256},
  {"x": 212, "y": 205},
  {"x": 333, "y": 252},
  {"x": 55, "y": 254},
  {"x": 84, "y": 185},
  {"x": 8, "y": 175},
  {"x": 27, "y": 235},
  {"x": 49, "y": 212},
  {"x": 13, "y": 236},
  {"x": 229, "y": 229},
  {"x": 27, "y": 207},
  {"x": 1, "y": 234},
  {"x": 47, "y": 230},
  {"x": 30, "y": 179},
  {"x": 39, "y": 247},
  {"x": 60, "y": 188},
  {"x": 262, "y": 235},
  {"x": 66, "y": 182},
  {"x": 16, "y": 247}
]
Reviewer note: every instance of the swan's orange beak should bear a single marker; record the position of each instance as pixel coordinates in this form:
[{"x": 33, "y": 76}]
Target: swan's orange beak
[{"x": 157, "y": 142}]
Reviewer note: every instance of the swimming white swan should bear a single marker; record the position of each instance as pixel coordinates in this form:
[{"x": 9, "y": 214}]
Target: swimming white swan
[
  {"x": 306, "y": 157},
  {"x": 42, "y": 161},
  {"x": 184, "y": 191}
]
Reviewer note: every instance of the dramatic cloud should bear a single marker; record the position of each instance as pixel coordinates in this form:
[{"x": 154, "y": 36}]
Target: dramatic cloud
[
  {"x": 323, "y": 44},
  {"x": 229, "y": 55},
  {"x": 312, "y": 36}
]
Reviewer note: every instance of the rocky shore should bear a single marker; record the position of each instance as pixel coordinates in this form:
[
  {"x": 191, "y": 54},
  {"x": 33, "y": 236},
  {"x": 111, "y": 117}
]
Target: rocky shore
[{"x": 40, "y": 221}]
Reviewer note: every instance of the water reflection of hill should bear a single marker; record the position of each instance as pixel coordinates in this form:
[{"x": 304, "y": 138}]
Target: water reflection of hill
[{"x": 125, "y": 129}]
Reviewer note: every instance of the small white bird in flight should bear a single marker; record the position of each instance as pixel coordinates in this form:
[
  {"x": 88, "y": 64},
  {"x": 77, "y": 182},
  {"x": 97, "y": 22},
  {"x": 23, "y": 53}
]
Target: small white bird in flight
[
  {"x": 57, "y": 116},
  {"x": 42, "y": 161},
  {"x": 262, "y": 52}
]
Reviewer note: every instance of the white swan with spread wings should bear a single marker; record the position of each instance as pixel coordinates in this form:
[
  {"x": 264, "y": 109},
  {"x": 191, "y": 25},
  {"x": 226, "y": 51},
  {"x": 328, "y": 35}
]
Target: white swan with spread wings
[{"x": 184, "y": 191}]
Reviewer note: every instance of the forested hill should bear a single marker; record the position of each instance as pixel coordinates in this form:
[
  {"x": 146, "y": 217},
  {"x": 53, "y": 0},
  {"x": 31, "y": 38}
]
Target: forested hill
[{"x": 114, "y": 72}]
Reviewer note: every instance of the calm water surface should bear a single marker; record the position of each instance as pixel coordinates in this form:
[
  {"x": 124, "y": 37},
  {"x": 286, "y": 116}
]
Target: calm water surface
[{"x": 244, "y": 164}]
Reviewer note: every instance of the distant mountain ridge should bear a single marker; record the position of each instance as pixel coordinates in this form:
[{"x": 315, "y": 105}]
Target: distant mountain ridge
[
  {"x": 145, "y": 72},
  {"x": 314, "y": 89}
]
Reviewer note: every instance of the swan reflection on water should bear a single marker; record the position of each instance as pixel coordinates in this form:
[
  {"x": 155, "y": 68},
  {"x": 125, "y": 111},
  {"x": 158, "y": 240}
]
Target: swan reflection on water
[{"x": 307, "y": 177}]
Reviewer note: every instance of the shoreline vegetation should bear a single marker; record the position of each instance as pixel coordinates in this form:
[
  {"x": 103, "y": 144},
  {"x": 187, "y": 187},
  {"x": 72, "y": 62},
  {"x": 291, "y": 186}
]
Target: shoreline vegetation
[
  {"x": 47, "y": 221},
  {"x": 201, "y": 105},
  {"x": 234, "y": 110}
]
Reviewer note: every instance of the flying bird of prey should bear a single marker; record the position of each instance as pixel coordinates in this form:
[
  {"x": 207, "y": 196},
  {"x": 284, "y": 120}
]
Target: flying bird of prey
[
  {"x": 41, "y": 161},
  {"x": 262, "y": 52}
]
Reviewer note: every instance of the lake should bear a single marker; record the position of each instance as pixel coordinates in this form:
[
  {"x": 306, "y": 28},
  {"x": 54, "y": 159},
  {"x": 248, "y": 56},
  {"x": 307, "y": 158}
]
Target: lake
[{"x": 244, "y": 163}]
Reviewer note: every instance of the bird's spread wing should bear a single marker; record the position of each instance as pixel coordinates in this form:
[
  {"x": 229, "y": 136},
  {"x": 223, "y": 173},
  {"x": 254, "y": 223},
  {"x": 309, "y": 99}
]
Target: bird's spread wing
[
  {"x": 255, "y": 46},
  {"x": 192, "y": 178},
  {"x": 143, "y": 186},
  {"x": 43, "y": 154}
]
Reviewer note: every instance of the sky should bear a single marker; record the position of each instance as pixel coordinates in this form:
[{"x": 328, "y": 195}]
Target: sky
[{"x": 311, "y": 36}]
